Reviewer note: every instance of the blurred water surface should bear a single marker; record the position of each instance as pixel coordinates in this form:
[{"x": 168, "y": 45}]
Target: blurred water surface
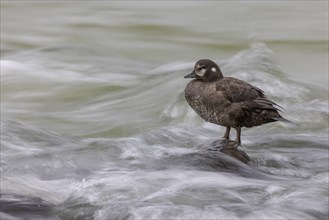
[{"x": 94, "y": 124}]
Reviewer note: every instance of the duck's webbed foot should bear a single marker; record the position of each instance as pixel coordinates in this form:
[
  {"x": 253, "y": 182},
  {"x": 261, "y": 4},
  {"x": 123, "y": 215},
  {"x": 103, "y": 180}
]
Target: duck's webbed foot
[{"x": 237, "y": 144}]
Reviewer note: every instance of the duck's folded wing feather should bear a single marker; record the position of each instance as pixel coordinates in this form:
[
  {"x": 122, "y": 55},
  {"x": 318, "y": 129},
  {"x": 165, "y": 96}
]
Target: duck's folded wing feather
[
  {"x": 236, "y": 90},
  {"x": 250, "y": 97}
]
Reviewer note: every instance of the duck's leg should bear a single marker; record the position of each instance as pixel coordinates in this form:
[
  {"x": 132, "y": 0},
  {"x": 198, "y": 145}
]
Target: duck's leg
[
  {"x": 227, "y": 133},
  {"x": 238, "y": 136}
]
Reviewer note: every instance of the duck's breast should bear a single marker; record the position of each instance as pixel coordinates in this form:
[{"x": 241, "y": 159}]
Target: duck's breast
[{"x": 208, "y": 103}]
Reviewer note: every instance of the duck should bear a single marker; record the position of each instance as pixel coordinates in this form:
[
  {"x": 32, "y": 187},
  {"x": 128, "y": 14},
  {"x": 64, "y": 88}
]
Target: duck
[{"x": 228, "y": 101}]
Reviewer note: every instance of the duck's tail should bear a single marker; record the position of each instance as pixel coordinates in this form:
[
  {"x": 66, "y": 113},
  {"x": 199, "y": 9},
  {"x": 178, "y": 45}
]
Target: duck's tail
[{"x": 282, "y": 119}]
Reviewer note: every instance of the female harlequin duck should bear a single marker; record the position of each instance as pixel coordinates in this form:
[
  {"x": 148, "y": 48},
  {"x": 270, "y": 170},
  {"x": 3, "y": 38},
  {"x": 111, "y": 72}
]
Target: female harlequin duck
[{"x": 228, "y": 101}]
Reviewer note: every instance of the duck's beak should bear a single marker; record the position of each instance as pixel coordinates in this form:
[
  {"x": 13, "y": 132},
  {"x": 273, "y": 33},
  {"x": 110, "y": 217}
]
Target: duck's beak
[{"x": 191, "y": 75}]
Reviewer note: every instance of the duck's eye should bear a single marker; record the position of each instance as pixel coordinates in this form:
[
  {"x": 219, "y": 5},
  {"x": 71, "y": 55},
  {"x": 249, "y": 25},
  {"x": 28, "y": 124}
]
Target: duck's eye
[{"x": 201, "y": 68}]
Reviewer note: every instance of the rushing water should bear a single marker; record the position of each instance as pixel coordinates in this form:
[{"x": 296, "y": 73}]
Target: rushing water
[{"x": 94, "y": 124}]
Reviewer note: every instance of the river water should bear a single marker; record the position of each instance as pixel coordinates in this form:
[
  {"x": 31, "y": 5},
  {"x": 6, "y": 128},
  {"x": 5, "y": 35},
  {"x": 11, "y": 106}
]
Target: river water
[{"x": 94, "y": 124}]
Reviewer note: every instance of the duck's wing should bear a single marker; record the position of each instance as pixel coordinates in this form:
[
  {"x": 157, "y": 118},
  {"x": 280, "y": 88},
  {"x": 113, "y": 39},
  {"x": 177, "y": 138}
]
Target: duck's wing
[
  {"x": 236, "y": 90},
  {"x": 249, "y": 96}
]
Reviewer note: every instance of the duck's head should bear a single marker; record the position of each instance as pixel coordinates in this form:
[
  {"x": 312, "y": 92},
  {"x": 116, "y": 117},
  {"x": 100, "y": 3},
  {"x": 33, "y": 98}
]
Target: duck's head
[{"x": 206, "y": 70}]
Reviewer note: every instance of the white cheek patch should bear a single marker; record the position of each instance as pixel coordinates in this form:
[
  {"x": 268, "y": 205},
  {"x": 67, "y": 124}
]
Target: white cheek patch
[
  {"x": 201, "y": 72},
  {"x": 213, "y": 69}
]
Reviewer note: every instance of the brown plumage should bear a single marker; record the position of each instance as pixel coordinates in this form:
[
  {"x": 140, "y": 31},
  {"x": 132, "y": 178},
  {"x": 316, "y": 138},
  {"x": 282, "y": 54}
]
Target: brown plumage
[{"x": 228, "y": 101}]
